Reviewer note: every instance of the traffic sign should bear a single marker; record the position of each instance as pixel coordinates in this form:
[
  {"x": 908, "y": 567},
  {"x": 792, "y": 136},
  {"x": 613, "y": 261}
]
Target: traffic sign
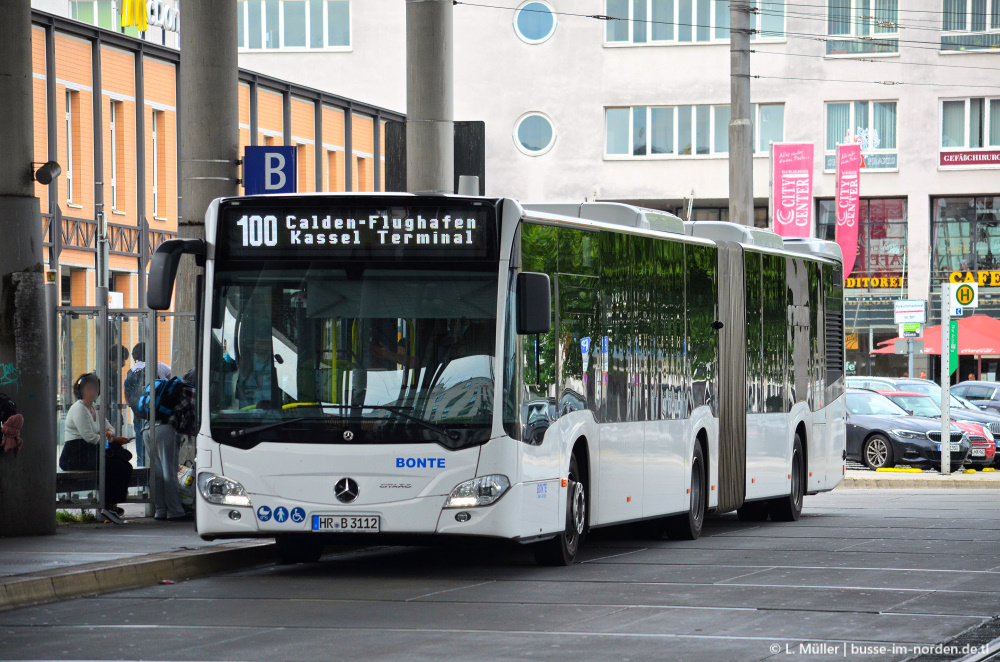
[
  {"x": 269, "y": 170},
  {"x": 964, "y": 295},
  {"x": 910, "y": 311}
]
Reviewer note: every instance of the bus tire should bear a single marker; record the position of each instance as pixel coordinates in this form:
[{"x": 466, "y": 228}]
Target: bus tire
[
  {"x": 687, "y": 526},
  {"x": 297, "y": 549},
  {"x": 789, "y": 508},
  {"x": 752, "y": 511},
  {"x": 561, "y": 550}
]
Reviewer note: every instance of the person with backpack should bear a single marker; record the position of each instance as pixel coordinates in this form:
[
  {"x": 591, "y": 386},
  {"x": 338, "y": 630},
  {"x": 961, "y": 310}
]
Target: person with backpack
[
  {"x": 172, "y": 404},
  {"x": 135, "y": 381}
]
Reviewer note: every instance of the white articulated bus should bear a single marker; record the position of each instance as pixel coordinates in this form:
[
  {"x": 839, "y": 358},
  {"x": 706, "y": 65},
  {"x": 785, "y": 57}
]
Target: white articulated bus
[{"x": 398, "y": 367}]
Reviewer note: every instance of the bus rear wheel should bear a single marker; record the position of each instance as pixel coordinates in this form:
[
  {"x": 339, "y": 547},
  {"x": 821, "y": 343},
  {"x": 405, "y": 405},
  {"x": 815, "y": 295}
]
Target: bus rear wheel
[
  {"x": 789, "y": 508},
  {"x": 687, "y": 526},
  {"x": 298, "y": 549},
  {"x": 562, "y": 549}
]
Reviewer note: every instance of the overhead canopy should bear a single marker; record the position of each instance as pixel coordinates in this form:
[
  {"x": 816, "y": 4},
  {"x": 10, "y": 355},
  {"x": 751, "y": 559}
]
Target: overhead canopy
[{"x": 977, "y": 335}]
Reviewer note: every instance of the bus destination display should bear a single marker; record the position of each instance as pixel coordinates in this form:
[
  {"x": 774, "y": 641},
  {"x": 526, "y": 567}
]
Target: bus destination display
[{"x": 435, "y": 231}]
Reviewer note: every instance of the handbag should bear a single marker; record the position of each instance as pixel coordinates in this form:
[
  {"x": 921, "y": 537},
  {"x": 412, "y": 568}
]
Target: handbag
[{"x": 116, "y": 452}]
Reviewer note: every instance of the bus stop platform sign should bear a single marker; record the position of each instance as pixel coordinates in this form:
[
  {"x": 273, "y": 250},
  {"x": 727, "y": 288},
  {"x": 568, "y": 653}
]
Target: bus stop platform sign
[{"x": 269, "y": 170}]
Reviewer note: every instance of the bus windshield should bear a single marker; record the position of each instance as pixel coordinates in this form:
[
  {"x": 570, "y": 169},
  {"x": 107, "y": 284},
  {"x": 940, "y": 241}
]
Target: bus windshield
[{"x": 308, "y": 353}]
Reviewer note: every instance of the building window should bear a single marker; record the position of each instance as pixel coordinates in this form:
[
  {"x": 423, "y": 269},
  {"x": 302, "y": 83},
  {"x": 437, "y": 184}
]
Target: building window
[
  {"x": 534, "y": 134},
  {"x": 970, "y": 132},
  {"x": 117, "y": 152},
  {"x": 683, "y": 21},
  {"x": 881, "y": 259},
  {"x": 719, "y": 214},
  {"x": 294, "y": 24},
  {"x": 159, "y": 163},
  {"x": 72, "y": 115},
  {"x": 970, "y": 25},
  {"x": 872, "y": 123},
  {"x": 101, "y": 13},
  {"x": 534, "y": 22},
  {"x": 965, "y": 236},
  {"x": 867, "y": 27},
  {"x": 658, "y": 131}
]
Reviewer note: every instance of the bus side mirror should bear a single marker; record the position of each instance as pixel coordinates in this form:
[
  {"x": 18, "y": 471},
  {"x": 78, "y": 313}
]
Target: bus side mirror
[
  {"x": 534, "y": 303},
  {"x": 163, "y": 269}
]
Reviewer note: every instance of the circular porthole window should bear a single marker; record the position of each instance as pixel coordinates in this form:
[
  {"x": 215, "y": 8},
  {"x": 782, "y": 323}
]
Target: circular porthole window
[
  {"x": 534, "y": 22},
  {"x": 534, "y": 134}
]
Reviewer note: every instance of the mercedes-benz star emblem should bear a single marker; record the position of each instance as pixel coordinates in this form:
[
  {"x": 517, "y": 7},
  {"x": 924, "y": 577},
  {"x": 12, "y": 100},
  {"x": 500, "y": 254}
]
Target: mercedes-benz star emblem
[
  {"x": 348, "y": 435},
  {"x": 346, "y": 490}
]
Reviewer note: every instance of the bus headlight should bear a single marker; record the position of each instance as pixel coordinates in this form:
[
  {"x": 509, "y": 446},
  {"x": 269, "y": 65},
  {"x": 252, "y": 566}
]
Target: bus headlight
[
  {"x": 221, "y": 490},
  {"x": 482, "y": 491}
]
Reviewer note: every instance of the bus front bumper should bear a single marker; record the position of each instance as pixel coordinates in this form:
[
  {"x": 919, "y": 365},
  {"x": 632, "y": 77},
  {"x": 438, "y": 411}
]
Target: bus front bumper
[{"x": 519, "y": 513}]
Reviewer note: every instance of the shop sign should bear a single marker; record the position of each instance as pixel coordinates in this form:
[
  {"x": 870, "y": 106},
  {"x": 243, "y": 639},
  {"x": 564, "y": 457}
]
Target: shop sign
[
  {"x": 879, "y": 161},
  {"x": 982, "y": 278},
  {"x": 971, "y": 158},
  {"x": 163, "y": 16},
  {"x": 895, "y": 281}
]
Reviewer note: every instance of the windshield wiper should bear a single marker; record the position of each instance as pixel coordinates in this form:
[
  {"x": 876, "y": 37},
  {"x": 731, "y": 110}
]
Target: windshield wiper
[
  {"x": 399, "y": 411},
  {"x": 236, "y": 434}
]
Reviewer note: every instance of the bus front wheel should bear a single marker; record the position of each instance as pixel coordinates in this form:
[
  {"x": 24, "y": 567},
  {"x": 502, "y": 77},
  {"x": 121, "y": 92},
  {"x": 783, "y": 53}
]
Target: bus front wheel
[
  {"x": 687, "y": 526},
  {"x": 562, "y": 549},
  {"x": 298, "y": 549}
]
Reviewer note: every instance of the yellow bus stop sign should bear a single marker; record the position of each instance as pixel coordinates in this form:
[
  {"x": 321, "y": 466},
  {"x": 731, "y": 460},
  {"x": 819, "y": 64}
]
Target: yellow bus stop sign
[{"x": 964, "y": 295}]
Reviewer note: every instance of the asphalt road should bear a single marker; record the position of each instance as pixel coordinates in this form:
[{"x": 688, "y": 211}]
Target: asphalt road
[{"x": 876, "y": 572}]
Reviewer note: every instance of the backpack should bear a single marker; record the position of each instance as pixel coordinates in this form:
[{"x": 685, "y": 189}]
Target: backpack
[
  {"x": 169, "y": 393},
  {"x": 133, "y": 387},
  {"x": 7, "y": 408}
]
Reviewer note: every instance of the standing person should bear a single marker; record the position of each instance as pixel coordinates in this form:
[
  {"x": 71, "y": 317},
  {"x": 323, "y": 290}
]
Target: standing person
[
  {"x": 86, "y": 436},
  {"x": 164, "y": 443},
  {"x": 923, "y": 374},
  {"x": 117, "y": 360},
  {"x": 135, "y": 381}
]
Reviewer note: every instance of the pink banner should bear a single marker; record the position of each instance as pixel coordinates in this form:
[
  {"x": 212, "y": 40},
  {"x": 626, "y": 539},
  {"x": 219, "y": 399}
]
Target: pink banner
[
  {"x": 791, "y": 188},
  {"x": 848, "y": 201}
]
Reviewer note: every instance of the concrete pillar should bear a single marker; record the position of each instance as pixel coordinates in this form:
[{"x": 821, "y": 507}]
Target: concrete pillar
[
  {"x": 430, "y": 98},
  {"x": 209, "y": 142},
  {"x": 27, "y": 480},
  {"x": 740, "y": 122}
]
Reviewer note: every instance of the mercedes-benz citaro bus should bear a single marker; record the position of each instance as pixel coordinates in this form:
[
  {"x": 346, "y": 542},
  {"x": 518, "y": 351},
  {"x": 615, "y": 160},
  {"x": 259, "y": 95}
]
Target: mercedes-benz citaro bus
[{"x": 406, "y": 367}]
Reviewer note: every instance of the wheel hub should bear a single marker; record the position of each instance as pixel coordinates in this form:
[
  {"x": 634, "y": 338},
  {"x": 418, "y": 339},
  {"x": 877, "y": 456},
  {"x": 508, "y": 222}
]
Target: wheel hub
[{"x": 577, "y": 508}]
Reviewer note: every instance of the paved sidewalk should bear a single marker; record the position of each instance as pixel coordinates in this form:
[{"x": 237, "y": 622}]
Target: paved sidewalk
[
  {"x": 85, "y": 559},
  {"x": 867, "y": 479}
]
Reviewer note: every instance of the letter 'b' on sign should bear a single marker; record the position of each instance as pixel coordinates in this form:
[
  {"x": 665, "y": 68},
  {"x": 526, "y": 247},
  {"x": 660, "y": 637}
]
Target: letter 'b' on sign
[
  {"x": 269, "y": 170},
  {"x": 274, "y": 176}
]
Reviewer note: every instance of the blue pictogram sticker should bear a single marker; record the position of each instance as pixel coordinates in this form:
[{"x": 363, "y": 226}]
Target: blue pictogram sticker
[
  {"x": 263, "y": 513},
  {"x": 298, "y": 515},
  {"x": 280, "y": 514}
]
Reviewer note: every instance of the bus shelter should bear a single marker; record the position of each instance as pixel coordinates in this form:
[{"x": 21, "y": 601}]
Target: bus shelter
[{"x": 100, "y": 340}]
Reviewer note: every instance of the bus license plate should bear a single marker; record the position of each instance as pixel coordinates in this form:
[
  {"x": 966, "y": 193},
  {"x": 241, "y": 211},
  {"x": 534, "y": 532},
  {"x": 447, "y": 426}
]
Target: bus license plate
[
  {"x": 348, "y": 523},
  {"x": 951, "y": 447},
  {"x": 978, "y": 452}
]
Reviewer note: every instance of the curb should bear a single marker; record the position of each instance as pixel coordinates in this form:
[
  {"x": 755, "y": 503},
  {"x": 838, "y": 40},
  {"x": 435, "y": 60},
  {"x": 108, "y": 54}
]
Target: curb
[
  {"x": 918, "y": 483},
  {"x": 97, "y": 578}
]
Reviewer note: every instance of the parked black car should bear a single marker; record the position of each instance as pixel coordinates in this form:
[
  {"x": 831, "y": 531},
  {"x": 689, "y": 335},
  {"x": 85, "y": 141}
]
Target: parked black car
[
  {"x": 881, "y": 434},
  {"x": 970, "y": 411},
  {"x": 983, "y": 394}
]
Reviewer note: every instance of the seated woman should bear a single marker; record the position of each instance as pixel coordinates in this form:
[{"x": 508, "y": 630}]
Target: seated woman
[{"x": 86, "y": 436}]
